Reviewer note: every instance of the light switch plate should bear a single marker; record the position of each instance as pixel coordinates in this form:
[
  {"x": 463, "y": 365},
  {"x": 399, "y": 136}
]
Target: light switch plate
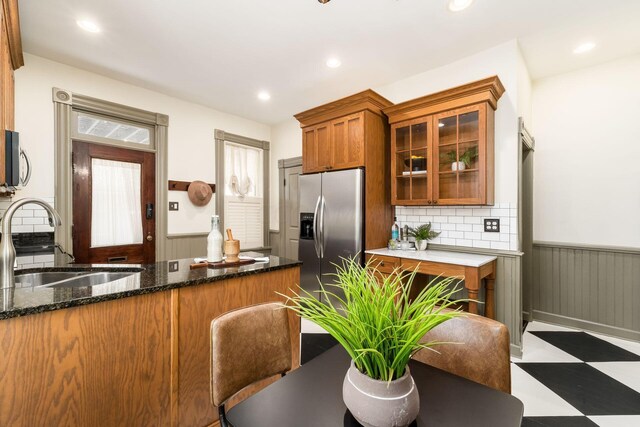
[
  {"x": 492, "y": 225},
  {"x": 174, "y": 206},
  {"x": 174, "y": 266}
]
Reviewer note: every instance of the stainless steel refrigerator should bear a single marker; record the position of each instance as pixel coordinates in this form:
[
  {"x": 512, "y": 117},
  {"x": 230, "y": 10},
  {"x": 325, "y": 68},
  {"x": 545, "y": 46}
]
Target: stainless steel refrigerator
[{"x": 331, "y": 224}]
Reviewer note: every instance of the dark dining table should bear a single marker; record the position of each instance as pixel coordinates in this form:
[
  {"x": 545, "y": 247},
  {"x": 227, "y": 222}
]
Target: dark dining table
[{"x": 311, "y": 396}]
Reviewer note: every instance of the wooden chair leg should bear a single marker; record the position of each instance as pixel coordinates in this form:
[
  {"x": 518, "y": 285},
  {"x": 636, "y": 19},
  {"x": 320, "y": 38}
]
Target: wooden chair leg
[{"x": 222, "y": 415}]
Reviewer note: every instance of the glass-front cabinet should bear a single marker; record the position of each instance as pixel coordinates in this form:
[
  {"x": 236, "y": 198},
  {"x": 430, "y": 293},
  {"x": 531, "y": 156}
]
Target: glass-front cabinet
[
  {"x": 460, "y": 149},
  {"x": 411, "y": 147},
  {"x": 444, "y": 158},
  {"x": 442, "y": 146}
]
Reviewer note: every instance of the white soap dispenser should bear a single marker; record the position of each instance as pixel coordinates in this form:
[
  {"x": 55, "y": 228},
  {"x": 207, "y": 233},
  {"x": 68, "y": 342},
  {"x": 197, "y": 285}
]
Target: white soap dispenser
[{"x": 214, "y": 241}]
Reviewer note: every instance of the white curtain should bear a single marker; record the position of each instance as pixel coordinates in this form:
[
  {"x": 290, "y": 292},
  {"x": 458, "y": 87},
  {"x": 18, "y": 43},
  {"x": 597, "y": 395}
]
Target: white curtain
[
  {"x": 243, "y": 194},
  {"x": 116, "y": 216},
  {"x": 243, "y": 170}
]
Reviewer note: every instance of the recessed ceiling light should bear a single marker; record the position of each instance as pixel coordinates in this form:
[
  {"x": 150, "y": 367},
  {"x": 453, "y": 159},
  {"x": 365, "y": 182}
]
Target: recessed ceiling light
[
  {"x": 89, "y": 26},
  {"x": 584, "y": 48},
  {"x": 264, "y": 96},
  {"x": 333, "y": 63},
  {"x": 458, "y": 5}
]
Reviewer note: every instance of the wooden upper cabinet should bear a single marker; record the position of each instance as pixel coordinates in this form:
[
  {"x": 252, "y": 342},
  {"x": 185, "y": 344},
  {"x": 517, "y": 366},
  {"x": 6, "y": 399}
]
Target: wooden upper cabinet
[
  {"x": 10, "y": 59},
  {"x": 347, "y": 142},
  {"x": 443, "y": 146},
  {"x": 334, "y": 134}
]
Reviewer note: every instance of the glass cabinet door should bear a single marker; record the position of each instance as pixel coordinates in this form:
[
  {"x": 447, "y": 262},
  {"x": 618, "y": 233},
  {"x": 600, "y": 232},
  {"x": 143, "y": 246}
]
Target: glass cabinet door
[
  {"x": 410, "y": 175},
  {"x": 460, "y": 153}
]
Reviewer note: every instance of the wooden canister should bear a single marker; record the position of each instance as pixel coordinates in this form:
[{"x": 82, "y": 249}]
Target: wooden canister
[{"x": 231, "y": 248}]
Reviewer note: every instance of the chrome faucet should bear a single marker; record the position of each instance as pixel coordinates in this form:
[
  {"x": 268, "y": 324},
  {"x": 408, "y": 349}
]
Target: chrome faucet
[{"x": 7, "y": 251}]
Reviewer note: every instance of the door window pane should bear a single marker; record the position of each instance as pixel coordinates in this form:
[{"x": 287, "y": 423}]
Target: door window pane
[
  {"x": 116, "y": 212},
  {"x": 112, "y": 129}
]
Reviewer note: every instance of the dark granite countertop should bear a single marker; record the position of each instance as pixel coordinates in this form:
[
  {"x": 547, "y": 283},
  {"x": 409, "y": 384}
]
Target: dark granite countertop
[{"x": 161, "y": 276}]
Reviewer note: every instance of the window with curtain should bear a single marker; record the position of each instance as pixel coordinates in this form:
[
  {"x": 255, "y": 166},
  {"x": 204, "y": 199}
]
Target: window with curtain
[
  {"x": 244, "y": 193},
  {"x": 116, "y": 216}
]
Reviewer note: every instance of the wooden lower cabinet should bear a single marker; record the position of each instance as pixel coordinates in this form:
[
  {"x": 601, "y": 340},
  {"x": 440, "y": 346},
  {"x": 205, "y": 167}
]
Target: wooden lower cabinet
[{"x": 137, "y": 361}]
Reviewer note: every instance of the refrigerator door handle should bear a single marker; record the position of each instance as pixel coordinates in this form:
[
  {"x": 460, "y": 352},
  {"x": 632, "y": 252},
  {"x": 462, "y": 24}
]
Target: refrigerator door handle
[
  {"x": 315, "y": 228},
  {"x": 323, "y": 204}
]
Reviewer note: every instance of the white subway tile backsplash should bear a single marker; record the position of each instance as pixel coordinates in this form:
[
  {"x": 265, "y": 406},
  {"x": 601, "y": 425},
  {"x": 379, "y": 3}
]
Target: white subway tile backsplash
[
  {"x": 33, "y": 221},
  {"x": 500, "y": 245},
  {"x": 481, "y": 244},
  {"x": 500, "y": 212},
  {"x": 463, "y": 225},
  {"x": 482, "y": 212},
  {"x": 21, "y": 213},
  {"x": 42, "y": 229},
  {"x": 491, "y": 236},
  {"x": 472, "y": 235},
  {"x": 21, "y": 228}
]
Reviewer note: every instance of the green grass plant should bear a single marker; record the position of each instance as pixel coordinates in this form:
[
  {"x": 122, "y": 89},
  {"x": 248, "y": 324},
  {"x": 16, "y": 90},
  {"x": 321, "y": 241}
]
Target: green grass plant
[{"x": 376, "y": 321}]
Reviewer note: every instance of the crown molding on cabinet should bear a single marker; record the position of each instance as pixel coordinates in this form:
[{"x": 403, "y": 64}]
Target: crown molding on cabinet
[
  {"x": 486, "y": 90},
  {"x": 361, "y": 101}
]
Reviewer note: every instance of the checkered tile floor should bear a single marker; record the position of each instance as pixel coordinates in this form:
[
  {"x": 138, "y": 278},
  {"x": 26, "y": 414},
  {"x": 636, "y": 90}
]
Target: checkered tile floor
[
  {"x": 570, "y": 378},
  {"x": 566, "y": 377}
]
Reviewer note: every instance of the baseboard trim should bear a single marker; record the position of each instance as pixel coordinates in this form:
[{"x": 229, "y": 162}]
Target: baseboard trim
[
  {"x": 515, "y": 350},
  {"x": 586, "y": 325}
]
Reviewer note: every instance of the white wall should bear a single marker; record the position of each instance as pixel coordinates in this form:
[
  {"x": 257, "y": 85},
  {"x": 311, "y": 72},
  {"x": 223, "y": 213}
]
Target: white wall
[
  {"x": 286, "y": 142},
  {"x": 586, "y": 179},
  {"x": 191, "y": 126}
]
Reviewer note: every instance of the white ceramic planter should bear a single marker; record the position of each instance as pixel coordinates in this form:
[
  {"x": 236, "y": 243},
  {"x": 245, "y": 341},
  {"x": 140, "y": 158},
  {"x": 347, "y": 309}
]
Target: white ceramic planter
[
  {"x": 458, "y": 166},
  {"x": 377, "y": 403},
  {"x": 421, "y": 245}
]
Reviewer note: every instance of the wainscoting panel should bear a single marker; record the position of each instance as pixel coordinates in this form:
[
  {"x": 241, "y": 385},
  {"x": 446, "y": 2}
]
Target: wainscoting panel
[
  {"x": 596, "y": 288},
  {"x": 274, "y": 239},
  {"x": 186, "y": 246}
]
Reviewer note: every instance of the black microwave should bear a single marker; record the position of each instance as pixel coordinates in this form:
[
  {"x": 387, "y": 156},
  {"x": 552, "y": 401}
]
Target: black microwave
[{"x": 14, "y": 176}]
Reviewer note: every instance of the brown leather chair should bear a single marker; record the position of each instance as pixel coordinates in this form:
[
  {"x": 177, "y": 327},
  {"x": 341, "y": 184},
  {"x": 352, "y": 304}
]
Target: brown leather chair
[
  {"x": 481, "y": 352},
  {"x": 247, "y": 345}
]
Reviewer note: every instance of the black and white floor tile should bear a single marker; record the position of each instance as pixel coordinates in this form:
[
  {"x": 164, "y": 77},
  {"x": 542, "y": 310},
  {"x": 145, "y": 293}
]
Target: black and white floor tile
[
  {"x": 572, "y": 378},
  {"x": 566, "y": 377}
]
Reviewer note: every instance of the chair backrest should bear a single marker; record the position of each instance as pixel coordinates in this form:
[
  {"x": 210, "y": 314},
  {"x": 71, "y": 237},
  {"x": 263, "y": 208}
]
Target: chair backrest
[
  {"x": 248, "y": 345},
  {"x": 481, "y": 352}
]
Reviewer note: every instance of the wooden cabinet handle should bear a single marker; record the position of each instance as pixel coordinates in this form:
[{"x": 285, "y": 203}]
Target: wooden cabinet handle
[
  {"x": 428, "y": 202},
  {"x": 435, "y": 202},
  {"x": 382, "y": 264}
]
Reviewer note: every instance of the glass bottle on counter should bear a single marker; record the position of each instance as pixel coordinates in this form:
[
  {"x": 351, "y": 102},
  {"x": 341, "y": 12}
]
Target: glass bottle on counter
[
  {"x": 395, "y": 230},
  {"x": 214, "y": 241}
]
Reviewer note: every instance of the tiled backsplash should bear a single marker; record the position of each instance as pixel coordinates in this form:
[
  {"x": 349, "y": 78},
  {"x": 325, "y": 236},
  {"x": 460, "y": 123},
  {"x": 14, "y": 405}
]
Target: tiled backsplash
[
  {"x": 35, "y": 261},
  {"x": 29, "y": 218},
  {"x": 464, "y": 225}
]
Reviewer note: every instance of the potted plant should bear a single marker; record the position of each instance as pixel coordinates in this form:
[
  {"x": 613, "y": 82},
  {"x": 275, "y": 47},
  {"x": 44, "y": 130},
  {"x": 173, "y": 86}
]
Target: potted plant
[
  {"x": 423, "y": 234},
  {"x": 381, "y": 328},
  {"x": 464, "y": 161}
]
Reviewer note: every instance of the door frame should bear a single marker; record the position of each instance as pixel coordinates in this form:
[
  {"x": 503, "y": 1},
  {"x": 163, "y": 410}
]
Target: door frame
[
  {"x": 526, "y": 144},
  {"x": 65, "y": 103},
  {"x": 282, "y": 165}
]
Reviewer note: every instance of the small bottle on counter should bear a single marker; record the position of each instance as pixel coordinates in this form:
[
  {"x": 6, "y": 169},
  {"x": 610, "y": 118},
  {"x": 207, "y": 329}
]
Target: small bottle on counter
[
  {"x": 214, "y": 241},
  {"x": 395, "y": 230}
]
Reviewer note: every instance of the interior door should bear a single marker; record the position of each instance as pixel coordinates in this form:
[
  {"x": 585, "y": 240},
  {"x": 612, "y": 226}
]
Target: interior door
[
  {"x": 292, "y": 212},
  {"x": 113, "y": 204}
]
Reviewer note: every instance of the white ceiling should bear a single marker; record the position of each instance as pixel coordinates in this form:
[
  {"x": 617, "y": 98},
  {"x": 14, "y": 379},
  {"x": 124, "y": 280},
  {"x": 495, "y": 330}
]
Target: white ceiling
[{"x": 221, "y": 53}]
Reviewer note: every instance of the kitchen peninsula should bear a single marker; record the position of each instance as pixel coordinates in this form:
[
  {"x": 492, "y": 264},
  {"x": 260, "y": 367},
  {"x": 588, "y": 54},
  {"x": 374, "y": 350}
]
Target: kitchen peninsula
[{"x": 130, "y": 352}]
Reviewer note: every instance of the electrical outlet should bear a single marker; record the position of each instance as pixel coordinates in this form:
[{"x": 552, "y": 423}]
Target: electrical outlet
[
  {"x": 174, "y": 266},
  {"x": 492, "y": 225},
  {"x": 174, "y": 206}
]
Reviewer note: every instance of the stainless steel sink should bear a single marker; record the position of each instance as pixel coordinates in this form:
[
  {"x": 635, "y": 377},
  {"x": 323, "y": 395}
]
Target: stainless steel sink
[
  {"x": 71, "y": 279},
  {"x": 45, "y": 278}
]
